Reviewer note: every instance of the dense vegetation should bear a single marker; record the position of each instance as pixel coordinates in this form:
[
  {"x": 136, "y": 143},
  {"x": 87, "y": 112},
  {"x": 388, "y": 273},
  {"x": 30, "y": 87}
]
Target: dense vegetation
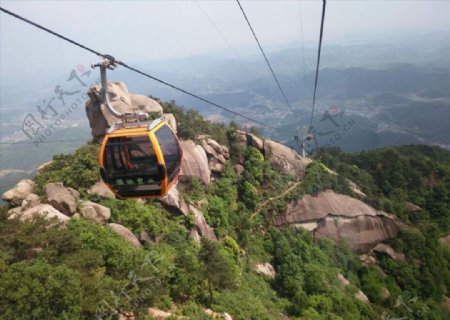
[{"x": 84, "y": 270}]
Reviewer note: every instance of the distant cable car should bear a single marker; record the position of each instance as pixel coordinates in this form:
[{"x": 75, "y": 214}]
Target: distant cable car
[
  {"x": 140, "y": 162},
  {"x": 138, "y": 158}
]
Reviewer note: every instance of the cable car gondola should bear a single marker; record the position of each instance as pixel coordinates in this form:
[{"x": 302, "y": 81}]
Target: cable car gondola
[
  {"x": 140, "y": 162},
  {"x": 138, "y": 158}
]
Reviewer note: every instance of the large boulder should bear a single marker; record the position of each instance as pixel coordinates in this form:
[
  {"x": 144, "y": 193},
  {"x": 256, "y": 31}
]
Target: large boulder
[
  {"x": 362, "y": 233},
  {"x": 95, "y": 212},
  {"x": 121, "y": 100},
  {"x": 337, "y": 216},
  {"x": 195, "y": 163},
  {"x": 126, "y": 234},
  {"x": 101, "y": 189},
  {"x": 31, "y": 201},
  {"x": 43, "y": 210},
  {"x": 145, "y": 104},
  {"x": 21, "y": 190},
  {"x": 158, "y": 314},
  {"x": 361, "y": 297},
  {"x": 255, "y": 142},
  {"x": 216, "y": 153},
  {"x": 384, "y": 248},
  {"x": 203, "y": 228},
  {"x": 62, "y": 198},
  {"x": 174, "y": 201},
  {"x": 315, "y": 207},
  {"x": 170, "y": 118},
  {"x": 265, "y": 269},
  {"x": 285, "y": 159}
]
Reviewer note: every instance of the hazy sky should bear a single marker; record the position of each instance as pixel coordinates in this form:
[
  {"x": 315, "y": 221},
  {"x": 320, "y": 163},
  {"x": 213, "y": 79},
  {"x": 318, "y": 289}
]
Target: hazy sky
[{"x": 151, "y": 30}]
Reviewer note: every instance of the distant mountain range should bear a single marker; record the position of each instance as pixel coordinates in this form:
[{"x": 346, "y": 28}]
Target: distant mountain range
[{"x": 369, "y": 96}]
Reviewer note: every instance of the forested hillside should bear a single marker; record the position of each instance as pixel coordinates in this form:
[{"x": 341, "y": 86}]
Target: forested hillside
[{"x": 79, "y": 269}]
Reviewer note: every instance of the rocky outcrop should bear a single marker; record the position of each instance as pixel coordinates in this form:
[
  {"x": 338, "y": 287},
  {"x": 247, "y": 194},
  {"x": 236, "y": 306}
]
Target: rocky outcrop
[
  {"x": 337, "y": 216},
  {"x": 362, "y": 233},
  {"x": 170, "y": 118},
  {"x": 126, "y": 234},
  {"x": 194, "y": 235},
  {"x": 173, "y": 201},
  {"x": 315, "y": 207},
  {"x": 62, "y": 198},
  {"x": 285, "y": 159},
  {"x": 343, "y": 280},
  {"x": 121, "y": 100},
  {"x": 411, "y": 207},
  {"x": 361, "y": 297},
  {"x": 43, "y": 210},
  {"x": 204, "y": 230},
  {"x": 101, "y": 189},
  {"x": 195, "y": 163},
  {"x": 356, "y": 189},
  {"x": 21, "y": 190},
  {"x": 216, "y": 315},
  {"x": 217, "y": 154},
  {"x": 31, "y": 201},
  {"x": 159, "y": 314},
  {"x": 255, "y": 142},
  {"x": 385, "y": 249},
  {"x": 265, "y": 269},
  {"x": 145, "y": 104},
  {"x": 95, "y": 212}
]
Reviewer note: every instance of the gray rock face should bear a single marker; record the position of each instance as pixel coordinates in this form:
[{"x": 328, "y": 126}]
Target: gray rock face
[
  {"x": 43, "y": 210},
  {"x": 216, "y": 154},
  {"x": 336, "y": 216},
  {"x": 95, "y": 212},
  {"x": 124, "y": 102},
  {"x": 195, "y": 163},
  {"x": 16, "y": 195},
  {"x": 126, "y": 234},
  {"x": 170, "y": 118},
  {"x": 285, "y": 159},
  {"x": 265, "y": 269},
  {"x": 62, "y": 198},
  {"x": 31, "y": 201},
  {"x": 411, "y": 207},
  {"x": 361, "y": 297},
  {"x": 174, "y": 200},
  {"x": 101, "y": 189},
  {"x": 311, "y": 208},
  {"x": 145, "y": 104},
  {"x": 255, "y": 142},
  {"x": 203, "y": 228},
  {"x": 384, "y": 248},
  {"x": 362, "y": 233}
]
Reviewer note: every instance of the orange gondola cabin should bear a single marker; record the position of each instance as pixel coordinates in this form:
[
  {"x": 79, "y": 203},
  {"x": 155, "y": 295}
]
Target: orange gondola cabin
[{"x": 141, "y": 161}]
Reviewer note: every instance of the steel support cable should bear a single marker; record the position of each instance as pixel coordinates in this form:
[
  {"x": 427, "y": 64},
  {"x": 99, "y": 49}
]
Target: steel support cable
[
  {"x": 106, "y": 56},
  {"x": 318, "y": 63},
  {"x": 265, "y": 57}
]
